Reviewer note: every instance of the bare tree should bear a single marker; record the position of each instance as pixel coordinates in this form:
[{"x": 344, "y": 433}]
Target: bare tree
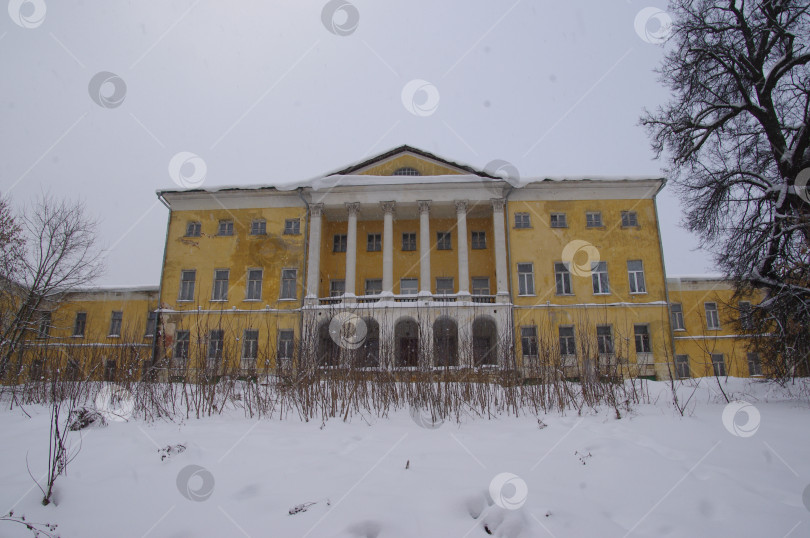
[{"x": 737, "y": 134}]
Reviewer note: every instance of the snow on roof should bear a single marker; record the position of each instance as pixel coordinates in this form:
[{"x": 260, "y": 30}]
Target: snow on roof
[{"x": 111, "y": 288}]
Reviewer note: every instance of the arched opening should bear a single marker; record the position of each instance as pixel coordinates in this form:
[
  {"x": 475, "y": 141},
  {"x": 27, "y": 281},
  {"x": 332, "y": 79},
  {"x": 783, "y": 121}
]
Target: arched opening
[
  {"x": 406, "y": 340},
  {"x": 327, "y": 352},
  {"x": 485, "y": 341},
  {"x": 445, "y": 342},
  {"x": 368, "y": 355}
]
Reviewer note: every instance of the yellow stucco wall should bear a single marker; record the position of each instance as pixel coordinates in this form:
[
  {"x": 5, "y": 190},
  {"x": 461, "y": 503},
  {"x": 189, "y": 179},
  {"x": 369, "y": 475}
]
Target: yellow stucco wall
[{"x": 423, "y": 166}]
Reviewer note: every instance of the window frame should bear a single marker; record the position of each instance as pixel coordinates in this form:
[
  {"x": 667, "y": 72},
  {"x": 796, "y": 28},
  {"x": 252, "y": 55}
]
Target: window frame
[
  {"x": 76, "y": 332},
  {"x": 288, "y": 290},
  {"x": 636, "y": 278},
  {"x": 754, "y": 359},
  {"x": 251, "y": 284},
  {"x": 593, "y": 219},
  {"x": 292, "y": 227},
  {"x": 528, "y": 342},
  {"x": 226, "y": 226},
  {"x": 445, "y": 279},
  {"x": 526, "y": 280},
  {"x": 281, "y": 338},
  {"x": 415, "y": 286},
  {"x": 562, "y": 276},
  {"x": 258, "y": 227},
  {"x": 568, "y": 342},
  {"x": 215, "y": 352},
  {"x": 372, "y": 281},
  {"x": 116, "y": 322},
  {"x": 523, "y": 220},
  {"x": 480, "y": 279},
  {"x": 644, "y": 338},
  {"x": 721, "y": 362},
  {"x": 193, "y": 228},
  {"x": 629, "y": 219},
  {"x": 406, "y": 241},
  {"x": 186, "y": 287},
  {"x": 601, "y": 286},
  {"x": 677, "y": 315},
  {"x": 558, "y": 219},
  {"x": 712, "y": 315},
  {"x": 219, "y": 291},
  {"x": 151, "y": 323},
  {"x": 478, "y": 240},
  {"x": 182, "y": 346},
  {"x": 332, "y": 286},
  {"x": 250, "y": 343},
  {"x": 681, "y": 363},
  {"x": 605, "y": 341},
  {"x": 444, "y": 241},
  {"x": 374, "y": 242},
  {"x": 44, "y": 324},
  {"x": 340, "y": 243}
]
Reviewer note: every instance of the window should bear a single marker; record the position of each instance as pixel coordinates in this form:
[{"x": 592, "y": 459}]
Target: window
[
  {"x": 629, "y": 219},
  {"x": 151, "y": 323},
  {"x": 444, "y": 285},
  {"x": 339, "y": 244},
  {"x": 225, "y": 227},
  {"x": 525, "y": 278},
  {"x": 562, "y": 276},
  {"x": 406, "y": 171},
  {"x": 712, "y": 317},
  {"x": 220, "y": 289},
  {"x": 528, "y": 341},
  {"x": 286, "y": 344},
  {"x": 558, "y": 220},
  {"x": 250, "y": 344},
  {"x": 408, "y": 286},
  {"x": 44, "y": 328},
  {"x": 258, "y": 227},
  {"x": 682, "y": 366},
  {"x": 373, "y": 286},
  {"x": 676, "y": 311},
  {"x": 109, "y": 370},
  {"x": 746, "y": 319},
  {"x": 193, "y": 229},
  {"x": 374, "y": 243},
  {"x": 288, "y": 281},
  {"x": 409, "y": 241},
  {"x": 115, "y": 323},
  {"x": 181, "y": 346},
  {"x": 253, "y": 292},
  {"x": 567, "y": 343},
  {"x": 337, "y": 288},
  {"x": 187, "y": 279},
  {"x": 523, "y": 220},
  {"x": 292, "y": 226},
  {"x": 599, "y": 275},
  {"x": 593, "y": 219},
  {"x": 635, "y": 271},
  {"x": 642, "y": 333},
  {"x": 479, "y": 240},
  {"x": 718, "y": 364},
  {"x": 480, "y": 285},
  {"x": 216, "y": 340},
  {"x": 754, "y": 364},
  {"x": 604, "y": 339},
  {"x": 80, "y": 324},
  {"x": 443, "y": 241}
]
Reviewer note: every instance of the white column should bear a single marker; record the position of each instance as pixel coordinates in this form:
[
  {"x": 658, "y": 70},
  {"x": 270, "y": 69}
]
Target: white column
[
  {"x": 351, "y": 250},
  {"x": 500, "y": 249},
  {"x": 463, "y": 258},
  {"x": 424, "y": 247},
  {"x": 314, "y": 267},
  {"x": 388, "y": 247}
]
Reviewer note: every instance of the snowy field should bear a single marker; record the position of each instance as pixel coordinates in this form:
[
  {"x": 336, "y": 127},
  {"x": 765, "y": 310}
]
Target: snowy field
[{"x": 650, "y": 473}]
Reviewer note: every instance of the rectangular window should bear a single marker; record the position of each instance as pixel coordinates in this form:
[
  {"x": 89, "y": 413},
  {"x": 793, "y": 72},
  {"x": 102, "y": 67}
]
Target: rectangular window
[
  {"x": 373, "y": 286},
  {"x": 44, "y": 328},
  {"x": 115, "y": 323},
  {"x": 253, "y": 292},
  {"x": 109, "y": 370},
  {"x": 80, "y": 324},
  {"x": 562, "y": 276},
  {"x": 250, "y": 344},
  {"x": 292, "y": 226},
  {"x": 567, "y": 342},
  {"x": 408, "y": 286},
  {"x": 181, "y": 342},
  {"x": 258, "y": 227},
  {"x": 682, "y": 366},
  {"x": 718, "y": 364},
  {"x": 480, "y": 285},
  {"x": 288, "y": 282},
  {"x": 746, "y": 316},
  {"x": 409, "y": 241},
  {"x": 225, "y": 227},
  {"x": 216, "y": 340},
  {"x": 712, "y": 317},
  {"x": 593, "y": 219},
  {"x": 525, "y": 278},
  {"x": 444, "y": 285},
  {"x": 528, "y": 341},
  {"x": 193, "y": 229},
  {"x": 629, "y": 219},
  {"x": 339, "y": 243},
  {"x": 286, "y": 344},
  {"x": 599, "y": 275},
  {"x": 443, "y": 241},
  {"x": 523, "y": 220},
  {"x": 642, "y": 333},
  {"x": 220, "y": 289},
  {"x": 479, "y": 240},
  {"x": 187, "y": 279},
  {"x": 374, "y": 243},
  {"x": 337, "y": 288},
  {"x": 676, "y": 311},
  {"x": 151, "y": 323},
  {"x": 558, "y": 220},
  {"x": 754, "y": 364},
  {"x": 604, "y": 339},
  {"x": 635, "y": 271}
]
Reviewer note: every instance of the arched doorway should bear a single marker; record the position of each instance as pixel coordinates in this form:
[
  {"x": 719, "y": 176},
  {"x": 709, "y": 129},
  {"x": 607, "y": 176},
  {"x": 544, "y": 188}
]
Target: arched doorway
[
  {"x": 445, "y": 342},
  {"x": 406, "y": 342},
  {"x": 485, "y": 341},
  {"x": 368, "y": 354},
  {"x": 327, "y": 352}
]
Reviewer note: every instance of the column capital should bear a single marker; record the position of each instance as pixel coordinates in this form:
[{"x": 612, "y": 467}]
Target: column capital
[
  {"x": 461, "y": 206},
  {"x": 388, "y": 207},
  {"x": 352, "y": 207},
  {"x": 316, "y": 210},
  {"x": 498, "y": 204},
  {"x": 424, "y": 206}
]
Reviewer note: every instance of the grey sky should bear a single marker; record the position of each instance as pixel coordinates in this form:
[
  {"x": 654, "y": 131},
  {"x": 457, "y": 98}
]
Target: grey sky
[{"x": 264, "y": 93}]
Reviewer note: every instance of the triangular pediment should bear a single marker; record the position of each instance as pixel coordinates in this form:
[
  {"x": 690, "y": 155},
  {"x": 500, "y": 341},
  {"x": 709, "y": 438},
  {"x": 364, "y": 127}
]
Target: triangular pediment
[{"x": 406, "y": 160}]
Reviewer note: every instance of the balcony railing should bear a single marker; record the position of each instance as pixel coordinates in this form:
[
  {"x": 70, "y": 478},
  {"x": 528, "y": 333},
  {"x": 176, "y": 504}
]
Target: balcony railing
[{"x": 409, "y": 298}]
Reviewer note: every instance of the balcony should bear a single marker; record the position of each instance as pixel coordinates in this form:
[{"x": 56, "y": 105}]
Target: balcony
[{"x": 409, "y": 298}]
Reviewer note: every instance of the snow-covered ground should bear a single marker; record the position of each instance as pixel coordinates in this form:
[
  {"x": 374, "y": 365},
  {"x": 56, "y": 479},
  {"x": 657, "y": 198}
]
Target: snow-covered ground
[{"x": 650, "y": 473}]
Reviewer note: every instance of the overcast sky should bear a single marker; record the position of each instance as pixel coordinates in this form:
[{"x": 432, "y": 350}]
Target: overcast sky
[{"x": 275, "y": 92}]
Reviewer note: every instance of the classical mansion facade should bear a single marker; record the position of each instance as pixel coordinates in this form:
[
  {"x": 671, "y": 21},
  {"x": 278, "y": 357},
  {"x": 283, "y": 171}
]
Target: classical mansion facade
[{"x": 408, "y": 262}]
